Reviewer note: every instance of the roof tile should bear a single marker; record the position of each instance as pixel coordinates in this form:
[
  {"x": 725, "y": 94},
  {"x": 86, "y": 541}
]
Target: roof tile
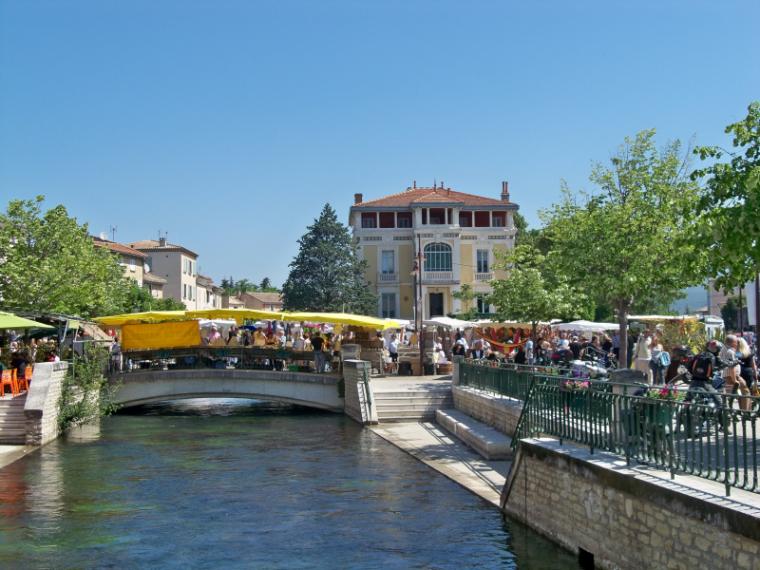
[{"x": 412, "y": 196}]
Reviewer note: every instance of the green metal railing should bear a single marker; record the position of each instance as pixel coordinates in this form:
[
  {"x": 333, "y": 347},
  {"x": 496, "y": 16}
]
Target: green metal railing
[
  {"x": 716, "y": 442},
  {"x": 510, "y": 380},
  {"x": 712, "y": 439}
]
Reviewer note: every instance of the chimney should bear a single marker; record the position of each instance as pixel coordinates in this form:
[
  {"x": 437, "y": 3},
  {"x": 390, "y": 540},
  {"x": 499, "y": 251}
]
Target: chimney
[
  {"x": 162, "y": 242},
  {"x": 358, "y": 198},
  {"x": 505, "y": 191}
]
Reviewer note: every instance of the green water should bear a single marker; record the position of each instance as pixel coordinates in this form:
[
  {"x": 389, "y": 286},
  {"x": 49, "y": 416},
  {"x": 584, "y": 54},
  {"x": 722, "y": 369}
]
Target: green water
[{"x": 220, "y": 484}]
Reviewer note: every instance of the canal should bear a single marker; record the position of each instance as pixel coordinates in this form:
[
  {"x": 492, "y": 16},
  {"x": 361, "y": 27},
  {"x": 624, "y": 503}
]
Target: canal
[{"x": 225, "y": 484}]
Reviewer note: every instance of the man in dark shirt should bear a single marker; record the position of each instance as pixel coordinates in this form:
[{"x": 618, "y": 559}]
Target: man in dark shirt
[
  {"x": 317, "y": 343},
  {"x": 576, "y": 347}
]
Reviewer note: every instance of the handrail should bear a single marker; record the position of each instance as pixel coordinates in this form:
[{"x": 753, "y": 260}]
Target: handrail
[{"x": 710, "y": 437}]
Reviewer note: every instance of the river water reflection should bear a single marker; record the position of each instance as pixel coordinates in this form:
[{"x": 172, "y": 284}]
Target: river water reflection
[{"x": 241, "y": 485}]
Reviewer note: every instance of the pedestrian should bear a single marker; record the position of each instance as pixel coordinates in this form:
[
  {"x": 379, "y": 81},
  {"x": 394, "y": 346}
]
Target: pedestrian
[{"x": 317, "y": 343}]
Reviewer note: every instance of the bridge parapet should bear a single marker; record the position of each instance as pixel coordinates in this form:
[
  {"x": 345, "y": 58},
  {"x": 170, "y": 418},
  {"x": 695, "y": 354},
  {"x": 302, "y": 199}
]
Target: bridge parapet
[{"x": 321, "y": 391}]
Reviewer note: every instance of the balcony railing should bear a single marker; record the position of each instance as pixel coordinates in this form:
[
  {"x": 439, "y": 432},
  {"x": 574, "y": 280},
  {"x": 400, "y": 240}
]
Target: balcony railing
[
  {"x": 383, "y": 277},
  {"x": 437, "y": 276},
  {"x": 487, "y": 276}
]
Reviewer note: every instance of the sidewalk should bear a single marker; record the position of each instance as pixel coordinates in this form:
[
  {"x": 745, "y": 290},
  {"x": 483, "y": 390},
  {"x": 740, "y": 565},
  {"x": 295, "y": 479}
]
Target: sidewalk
[
  {"x": 10, "y": 453},
  {"x": 430, "y": 444}
]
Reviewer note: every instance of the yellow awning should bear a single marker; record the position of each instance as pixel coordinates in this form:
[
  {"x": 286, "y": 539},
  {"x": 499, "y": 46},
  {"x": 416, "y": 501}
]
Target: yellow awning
[
  {"x": 146, "y": 317},
  {"x": 241, "y": 315},
  {"x": 177, "y": 334}
]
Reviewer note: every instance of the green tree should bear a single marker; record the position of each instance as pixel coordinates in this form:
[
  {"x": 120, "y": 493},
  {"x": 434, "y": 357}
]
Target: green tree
[
  {"x": 628, "y": 245},
  {"x": 729, "y": 221},
  {"x": 467, "y": 296},
  {"x": 51, "y": 264},
  {"x": 139, "y": 299},
  {"x": 730, "y": 314},
  {"x": 265, "y": 284},
  {"x": 530, "y": 293},
  {"x": 243, "y": 286},
  {"x": 326, "y": 274}
]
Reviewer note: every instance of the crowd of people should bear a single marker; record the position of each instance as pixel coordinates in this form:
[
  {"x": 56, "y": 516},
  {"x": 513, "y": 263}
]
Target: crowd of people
[{"x": 18, "y": 353}]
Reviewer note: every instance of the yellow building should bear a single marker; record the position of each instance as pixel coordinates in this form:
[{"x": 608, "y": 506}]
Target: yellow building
[{"x": 455, "y": 235}]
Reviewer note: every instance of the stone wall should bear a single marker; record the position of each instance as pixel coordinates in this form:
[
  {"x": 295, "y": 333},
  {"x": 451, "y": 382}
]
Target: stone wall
[
  {"x": 358, "y": 398},
  {"x": 41, "y": 407},
  {"x": 626, "y": 519},
  {"x": 499, "y": 412}
]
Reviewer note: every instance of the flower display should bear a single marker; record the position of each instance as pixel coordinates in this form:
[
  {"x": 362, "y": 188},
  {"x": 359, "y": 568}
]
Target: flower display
[
  {"x": 576, "y": 385},
  {"x": 665, "y": 393}
]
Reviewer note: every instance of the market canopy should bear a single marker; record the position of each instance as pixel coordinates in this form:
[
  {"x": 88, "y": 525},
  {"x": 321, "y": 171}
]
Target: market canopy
[
  {"x": 11, "y": 321},
  {"x": 449, "y": 322},
  {"x": 242, "y": 315},
  {"x": 662, "y": 318},
  {"x": 344, "y": 319},
  {"x": 137, "y": 318},
  {"x": 587, "y": 326}
]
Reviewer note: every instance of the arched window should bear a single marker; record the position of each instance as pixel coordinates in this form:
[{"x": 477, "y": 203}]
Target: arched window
[{"x": 437, "y": 257}]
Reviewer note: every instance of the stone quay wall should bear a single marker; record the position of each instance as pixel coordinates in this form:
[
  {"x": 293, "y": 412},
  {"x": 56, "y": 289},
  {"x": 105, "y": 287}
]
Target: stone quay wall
[
  {"x": 626, "y": 519},
  {"x": 358, "y": 393},
  {"x": 41, "y": 407},
  {"x": 499, "y": 412}
]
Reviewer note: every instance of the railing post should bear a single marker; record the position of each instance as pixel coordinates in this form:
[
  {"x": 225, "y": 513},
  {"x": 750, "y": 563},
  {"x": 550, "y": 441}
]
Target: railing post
[{"x": 726, "y": 468}]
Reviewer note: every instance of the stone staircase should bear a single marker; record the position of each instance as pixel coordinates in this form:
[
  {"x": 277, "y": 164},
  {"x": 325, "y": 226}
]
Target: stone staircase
[
  {"x": 412, "y": 404},
  {"x": 12, "y": 420}
]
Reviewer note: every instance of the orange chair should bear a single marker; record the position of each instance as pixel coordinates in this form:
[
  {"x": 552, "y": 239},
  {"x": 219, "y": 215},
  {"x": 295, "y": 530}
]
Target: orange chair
[
  {"x": 21, "y": 382},
  {"x": 7, "y": 380}
]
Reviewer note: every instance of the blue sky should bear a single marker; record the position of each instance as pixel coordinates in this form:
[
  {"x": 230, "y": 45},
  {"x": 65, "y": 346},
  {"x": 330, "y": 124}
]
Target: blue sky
[{"x": 229, "y": 124}]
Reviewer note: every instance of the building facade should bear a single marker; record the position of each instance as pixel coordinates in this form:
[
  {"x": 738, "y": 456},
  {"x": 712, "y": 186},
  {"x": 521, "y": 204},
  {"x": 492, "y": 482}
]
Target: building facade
[
  {"x": 208, "y": 295},
  {"x": 262, "y": 301},
  {"x": 454, "y": 235},
  {"x": 135, "y": 265},
  {"x": 177, "y": 264}
]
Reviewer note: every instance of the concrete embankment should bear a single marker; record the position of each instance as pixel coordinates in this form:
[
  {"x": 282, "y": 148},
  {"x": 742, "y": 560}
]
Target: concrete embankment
[{"x": 430, "y": 444}]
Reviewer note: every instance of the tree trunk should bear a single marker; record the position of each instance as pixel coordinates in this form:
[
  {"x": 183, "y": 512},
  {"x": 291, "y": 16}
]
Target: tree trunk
[{"x": 623, "y": 324}]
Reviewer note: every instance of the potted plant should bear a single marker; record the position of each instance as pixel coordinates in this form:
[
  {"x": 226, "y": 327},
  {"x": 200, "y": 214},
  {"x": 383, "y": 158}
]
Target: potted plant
[
  {"x": 659, "y": 411},
  {"x": 575, "y": 394}
]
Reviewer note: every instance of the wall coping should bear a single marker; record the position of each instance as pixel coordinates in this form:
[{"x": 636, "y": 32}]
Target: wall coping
[
  {"x": 40, "y": 386},
  {"x": 224, "y": 374},
  {"x": 686, "y": 496}
]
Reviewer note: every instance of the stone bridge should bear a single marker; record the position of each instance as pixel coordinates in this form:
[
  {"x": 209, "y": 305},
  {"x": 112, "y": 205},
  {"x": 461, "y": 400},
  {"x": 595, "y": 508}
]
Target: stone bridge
[{"x": 304, "y": 389}]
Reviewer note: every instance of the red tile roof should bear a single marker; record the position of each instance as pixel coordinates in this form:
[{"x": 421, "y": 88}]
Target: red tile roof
[
  {"x": 155, "y": 245},
  {"x": 118, "y": 248},
  {"x": 153, "y": 278},
  {"x": 412, "y": 196}
]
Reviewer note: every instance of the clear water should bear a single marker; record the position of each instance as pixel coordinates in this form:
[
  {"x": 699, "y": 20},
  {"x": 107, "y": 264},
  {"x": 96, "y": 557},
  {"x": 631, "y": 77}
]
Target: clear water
[{"x": 241, "y": 485}]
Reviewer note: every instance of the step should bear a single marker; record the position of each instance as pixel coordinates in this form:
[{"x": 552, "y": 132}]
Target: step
[
  {"x": 400, "y": 419},
  {"x": 404, "y": 401},
  {"x": 487, "y": 441},
  {"x": 405, "y": 413},
  {"x": 410, "y": 407}
]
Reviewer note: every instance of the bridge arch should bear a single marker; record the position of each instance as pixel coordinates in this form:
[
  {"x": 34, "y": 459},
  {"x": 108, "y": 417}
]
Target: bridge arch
[{"x": 140, "y": 387}]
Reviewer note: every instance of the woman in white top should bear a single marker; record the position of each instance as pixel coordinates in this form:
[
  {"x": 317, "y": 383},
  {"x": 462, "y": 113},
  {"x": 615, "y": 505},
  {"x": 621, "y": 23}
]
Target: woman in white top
[{"x": 643, "y": 355}]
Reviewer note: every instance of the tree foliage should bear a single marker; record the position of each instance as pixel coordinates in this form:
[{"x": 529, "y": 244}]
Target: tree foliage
[
  {"x": 232, "y": 287},
  {"x": 49, "y": 263},
  {"x": 628, "y": 245},
  {"x": 139, "y": 299},
  {"x": 530, "y": 293},
  {"x": 729, "y": 224},
  {"x": 326, "y": 274}
]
